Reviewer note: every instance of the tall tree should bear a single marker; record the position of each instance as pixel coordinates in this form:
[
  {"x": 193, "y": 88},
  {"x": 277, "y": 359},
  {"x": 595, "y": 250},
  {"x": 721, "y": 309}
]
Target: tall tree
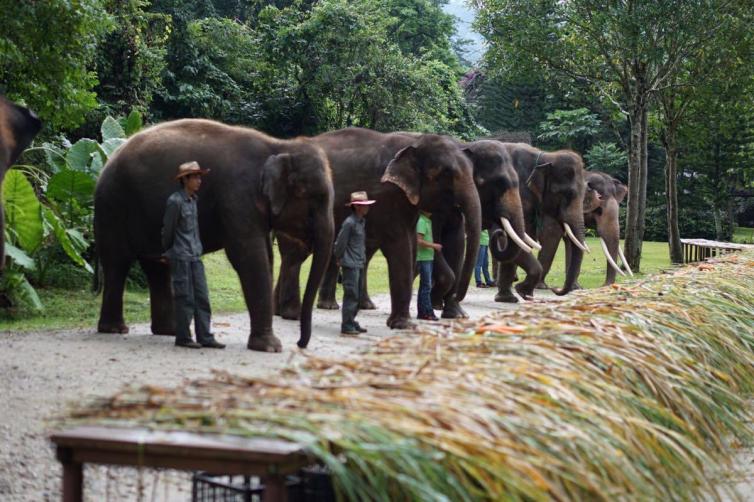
[
  {"x": 723, "y": 68},
  {"x": 628, "y": 50},
  {"x": 46, "y": 49}
]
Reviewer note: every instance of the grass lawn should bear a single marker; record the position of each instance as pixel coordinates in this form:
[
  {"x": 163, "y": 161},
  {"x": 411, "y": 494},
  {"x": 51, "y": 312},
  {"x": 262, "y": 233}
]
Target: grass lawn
[
  {"x": 80, "y": 309},
  {"x": 743, "y": 235}
]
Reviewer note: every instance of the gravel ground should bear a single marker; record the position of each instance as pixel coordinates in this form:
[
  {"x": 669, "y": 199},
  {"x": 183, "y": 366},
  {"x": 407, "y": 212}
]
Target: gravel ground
[{"x": 43, "y": 373}]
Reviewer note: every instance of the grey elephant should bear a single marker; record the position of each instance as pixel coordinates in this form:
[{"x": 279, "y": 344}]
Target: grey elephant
[
  {"x": 404, "y": 172},
  {"x": 256, "y": 184},
  {"x": 18, "y": 127},
  {"x": 552, "y": 190},
  {"x": 602, "y": 198}
]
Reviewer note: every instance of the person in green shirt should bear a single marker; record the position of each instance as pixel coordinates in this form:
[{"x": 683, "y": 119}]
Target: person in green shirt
[
  {"x": 482, "y": 262},
  {"x": 425, "y": 255}
]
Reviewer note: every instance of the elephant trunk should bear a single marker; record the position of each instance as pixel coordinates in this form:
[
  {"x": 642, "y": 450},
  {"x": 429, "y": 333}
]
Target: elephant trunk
[
  {"x": 468, "y": 197},
  {"x": 322, "y": 253},
  {"x": 608, "y": 229},
  {"x": 577, "y": 254},
  {"x": 504, "y": 248}
]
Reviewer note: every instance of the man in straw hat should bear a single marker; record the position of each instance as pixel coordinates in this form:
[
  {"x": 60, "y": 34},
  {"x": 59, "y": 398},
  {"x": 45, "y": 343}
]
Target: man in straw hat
[
  {"x": 183, "y": 249},
  {"x": 350, "y": 251}
]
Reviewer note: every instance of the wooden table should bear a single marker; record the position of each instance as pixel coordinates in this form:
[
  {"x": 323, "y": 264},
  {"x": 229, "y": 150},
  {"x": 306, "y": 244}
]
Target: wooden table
[
  {"x": 701, "y": 249},
  {"x": 269, "y": 459}
]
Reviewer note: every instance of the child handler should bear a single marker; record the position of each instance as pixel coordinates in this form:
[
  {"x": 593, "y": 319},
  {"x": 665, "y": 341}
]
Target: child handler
[{"x": 425, "y": 256}]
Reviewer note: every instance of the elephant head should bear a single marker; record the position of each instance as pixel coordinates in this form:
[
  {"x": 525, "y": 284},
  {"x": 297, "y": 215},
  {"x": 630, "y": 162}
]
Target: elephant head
[
  {"x": 496, "y": 181},
  {"x": 18, "y": 126},
  {"x": 299, "y": 191},
  {"x": 556, "y": 179},
  {"x": 437, "y": 176},
  {"x": 601, "y": 200}
]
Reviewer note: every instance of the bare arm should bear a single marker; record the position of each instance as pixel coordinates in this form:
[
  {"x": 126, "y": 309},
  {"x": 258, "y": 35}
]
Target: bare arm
[{"x": 426, "y": 244}]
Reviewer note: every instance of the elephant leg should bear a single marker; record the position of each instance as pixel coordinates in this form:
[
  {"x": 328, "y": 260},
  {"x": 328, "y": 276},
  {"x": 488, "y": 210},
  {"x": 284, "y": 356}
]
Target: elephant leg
[
  {"x": 366, "y": 303},
  {"x": 111, "y": 313},
  {"x": 160, "y": 297},
  {"x": 249, "y": 257},
  {"x": 287, "y": 298},
  {"x": 505, "y": 277},
  {"x": 568, "y": 260},
  {"x": 326, "y": 299},
  {"x": 552, "y": 232},
  {"x": 400, "y": 262}
]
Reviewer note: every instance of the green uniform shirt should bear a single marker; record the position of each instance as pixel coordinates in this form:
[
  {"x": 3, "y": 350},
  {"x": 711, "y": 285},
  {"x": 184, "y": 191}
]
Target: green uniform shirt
[
  {"x": 424, "y": 227},
  {"x": 484, "y": 238}
]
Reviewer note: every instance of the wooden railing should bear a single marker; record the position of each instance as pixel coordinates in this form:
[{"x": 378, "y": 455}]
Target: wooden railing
[{"x": 701, "y": 249}]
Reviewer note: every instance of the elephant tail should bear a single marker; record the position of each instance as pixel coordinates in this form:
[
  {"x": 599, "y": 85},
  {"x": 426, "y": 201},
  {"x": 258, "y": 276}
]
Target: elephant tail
[{"x": 96, "y": 277}]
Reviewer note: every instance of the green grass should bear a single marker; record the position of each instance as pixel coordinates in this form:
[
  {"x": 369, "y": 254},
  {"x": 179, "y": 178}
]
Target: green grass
[
  {"x": 743, "y": 235},
  {"x": 67, "y": 309}
]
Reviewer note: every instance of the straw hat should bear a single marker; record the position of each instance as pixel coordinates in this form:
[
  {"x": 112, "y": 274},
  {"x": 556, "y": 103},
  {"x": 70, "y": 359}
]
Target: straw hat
[
  {"x": 360, "y": 199},
  {"x": 189, "y": 168}
]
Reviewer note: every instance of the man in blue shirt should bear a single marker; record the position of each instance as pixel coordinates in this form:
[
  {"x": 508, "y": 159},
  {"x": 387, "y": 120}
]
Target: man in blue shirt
[
  {"x": 350, "y": 252},
  {"x": 183, "y": 249}
]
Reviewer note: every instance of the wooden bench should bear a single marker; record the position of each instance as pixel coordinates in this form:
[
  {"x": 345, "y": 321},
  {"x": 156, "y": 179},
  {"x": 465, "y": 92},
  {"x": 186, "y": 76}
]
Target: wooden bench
[
  {"x": 271, "y": 460},
  {"x": 701, "y": 249}
]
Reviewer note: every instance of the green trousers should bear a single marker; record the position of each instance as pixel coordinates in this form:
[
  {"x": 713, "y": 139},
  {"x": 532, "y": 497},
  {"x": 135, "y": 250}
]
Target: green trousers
[{"x": 190, "y": 300}]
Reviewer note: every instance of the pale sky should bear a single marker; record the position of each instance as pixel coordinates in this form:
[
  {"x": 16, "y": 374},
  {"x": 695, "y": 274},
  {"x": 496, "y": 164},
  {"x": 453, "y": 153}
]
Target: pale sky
[{"x": 465, "y": 15}]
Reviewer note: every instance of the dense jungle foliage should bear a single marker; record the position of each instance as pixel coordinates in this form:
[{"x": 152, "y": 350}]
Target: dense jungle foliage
[{"x": 293, "y": 67}]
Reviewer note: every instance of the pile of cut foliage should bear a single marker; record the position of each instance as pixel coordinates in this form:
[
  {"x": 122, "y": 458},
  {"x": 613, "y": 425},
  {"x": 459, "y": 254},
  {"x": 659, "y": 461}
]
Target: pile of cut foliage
[{"x": 624, "y": 393}]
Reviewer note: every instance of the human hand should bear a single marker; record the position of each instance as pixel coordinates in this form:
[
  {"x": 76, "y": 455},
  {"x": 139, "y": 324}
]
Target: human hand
[
  {"x": 437, "y": 247},
  {"x": 164, "y": 260}
]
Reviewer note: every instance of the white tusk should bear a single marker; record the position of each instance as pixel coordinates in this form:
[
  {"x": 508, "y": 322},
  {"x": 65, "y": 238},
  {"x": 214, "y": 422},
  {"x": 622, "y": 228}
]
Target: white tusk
[
  {"x": 610, "y": 258},
  {"x": 569, "y": 233},
  {"x": 623, "y": 259},
  {"x": 513, "y": 235},
  {"x": 536, "y": 245}
]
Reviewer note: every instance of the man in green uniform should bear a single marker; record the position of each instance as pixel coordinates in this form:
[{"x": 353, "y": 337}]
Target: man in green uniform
[
  {"x": 350, "y": 252},
  {"x": 183, "y": 249}
]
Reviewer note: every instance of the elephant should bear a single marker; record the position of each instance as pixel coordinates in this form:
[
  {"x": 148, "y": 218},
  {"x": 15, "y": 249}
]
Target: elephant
[
  {"x": 553, "y": 191},
  {"x": 18, "y": 127},
  {"x": 404, "y": 173},
  {"x": 601, "y": 200},
  {"x": 497, "y": 184},
  {"x": 256, "y": 184}
]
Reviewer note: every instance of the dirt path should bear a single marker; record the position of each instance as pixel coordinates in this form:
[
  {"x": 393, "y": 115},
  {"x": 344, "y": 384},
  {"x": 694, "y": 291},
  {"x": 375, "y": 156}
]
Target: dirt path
[{"x": 43, "y": 372}]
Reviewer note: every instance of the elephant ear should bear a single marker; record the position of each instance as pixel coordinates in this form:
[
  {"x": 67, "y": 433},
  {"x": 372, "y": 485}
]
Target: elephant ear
[
  {"x": 621, "y": 190},
  {"x": 402, "y": 171},
  {"x": 275, "y": 181},
  {"x": 538, "y": 178}
]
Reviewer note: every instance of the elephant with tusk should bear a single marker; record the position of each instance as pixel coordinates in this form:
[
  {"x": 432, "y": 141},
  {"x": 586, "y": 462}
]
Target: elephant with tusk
[
  {"x": 552, "y": 190},
  {"x": 602, "y": 198}
]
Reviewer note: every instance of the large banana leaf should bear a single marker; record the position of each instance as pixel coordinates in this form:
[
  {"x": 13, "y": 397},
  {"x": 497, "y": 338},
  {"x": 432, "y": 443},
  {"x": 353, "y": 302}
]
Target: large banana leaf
[
  {"x": 14, "y": 283},
  {"x": 133, "y": 123},
  {"x": 70, "y": 185},
  {"x": 22, "y": 211},
  {"x": 79, "y": 156},
  {"x": 111, "y": 129},
  {"x": 71, "y": 241},
  {"x": 19, "y": 257}
]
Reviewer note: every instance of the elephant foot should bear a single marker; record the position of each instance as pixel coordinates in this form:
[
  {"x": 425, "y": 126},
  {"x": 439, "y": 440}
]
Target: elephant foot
[
  {"x": 163, "y": 330},
  {"x": 266, "y": 343},
  {"x": 506, "y": 297},
  {"x": 114, "y": 327},
  {"x": 399, "y": 322},
  {"x": 328, "y": 305},
  {"x": 542, "y": 285},
  {"x": 524, "y": 292},
  {"x": 292, "y": 313},
  {"x": 367, "y": 305},
  {"x": 454, "y": 311}
]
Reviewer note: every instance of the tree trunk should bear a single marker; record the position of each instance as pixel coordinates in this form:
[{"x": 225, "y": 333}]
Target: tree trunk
[
  {"x": 635, "y": 214},
  {"x": 671, "y": 194}
]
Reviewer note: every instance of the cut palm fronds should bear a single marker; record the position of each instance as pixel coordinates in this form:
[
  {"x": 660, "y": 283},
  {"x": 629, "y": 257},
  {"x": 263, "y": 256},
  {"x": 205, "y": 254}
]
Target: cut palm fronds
[{"x": 628, "y": 393}]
